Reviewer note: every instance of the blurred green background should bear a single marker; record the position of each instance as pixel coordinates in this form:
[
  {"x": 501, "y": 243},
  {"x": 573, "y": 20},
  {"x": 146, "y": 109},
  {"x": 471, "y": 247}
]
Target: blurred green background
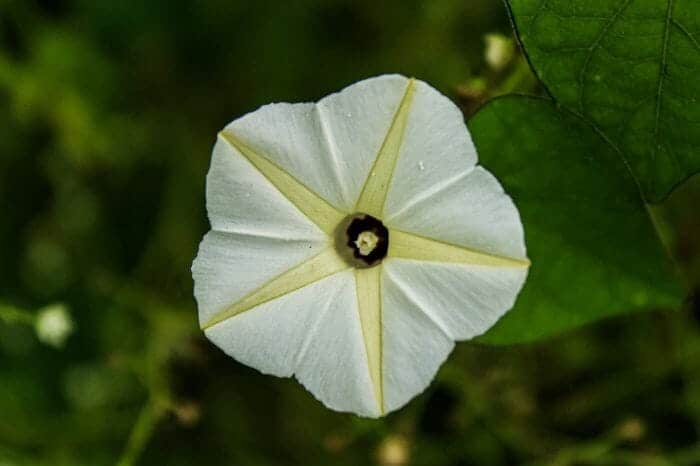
[{"x": 108, "y": 113}]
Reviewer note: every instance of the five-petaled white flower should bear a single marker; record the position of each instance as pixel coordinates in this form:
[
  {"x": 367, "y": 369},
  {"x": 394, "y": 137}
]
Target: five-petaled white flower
[{"x": 353, "y": 241}]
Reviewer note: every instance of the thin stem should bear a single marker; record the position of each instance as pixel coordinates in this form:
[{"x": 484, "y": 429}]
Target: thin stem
[
  {"x": 15, "y": 315},
  {"x": 520, "y": 79},
  {"x": 141, "y": 433},
  {"x": 167, "y": 332}
]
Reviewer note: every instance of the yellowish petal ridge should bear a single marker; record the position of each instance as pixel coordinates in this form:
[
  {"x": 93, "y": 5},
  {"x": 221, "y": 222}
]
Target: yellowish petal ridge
[
  {"x": 369, "y": 298},
  {"x": 409, "y": 246},
  {"x": 320, "y": 266},
  {"x": 317, "y": 209},
  {"x": 373, "y": 194}
]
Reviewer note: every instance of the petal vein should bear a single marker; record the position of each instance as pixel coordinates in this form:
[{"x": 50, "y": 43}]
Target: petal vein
[
  {"x": 318, "y": 267},
  {"x": 369, "y": 300},
  {"x": 314, "y": 207},
  {"x": 374, "y": 192},
  {"x": 410, "y": 246}
]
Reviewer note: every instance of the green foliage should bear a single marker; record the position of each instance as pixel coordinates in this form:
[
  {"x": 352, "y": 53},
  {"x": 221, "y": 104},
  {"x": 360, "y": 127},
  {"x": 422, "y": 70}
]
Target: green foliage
[
  {"x": 629, "y": 68},
  {"x": 622, "y": 125},
  {"x": 594, "y": 250}
]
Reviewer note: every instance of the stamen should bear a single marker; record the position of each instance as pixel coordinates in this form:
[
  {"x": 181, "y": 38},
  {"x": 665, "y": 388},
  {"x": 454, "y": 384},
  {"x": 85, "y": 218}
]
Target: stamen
[{"x": 366, "y": 242}]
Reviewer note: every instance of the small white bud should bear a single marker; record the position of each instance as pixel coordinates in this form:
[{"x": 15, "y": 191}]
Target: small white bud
[
  {"x": 54, "y": 325},
  {"x": 499, "y": 51}
]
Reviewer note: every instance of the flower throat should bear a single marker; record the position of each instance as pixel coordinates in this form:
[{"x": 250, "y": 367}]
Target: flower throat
[{"x": 368, "y": 239}]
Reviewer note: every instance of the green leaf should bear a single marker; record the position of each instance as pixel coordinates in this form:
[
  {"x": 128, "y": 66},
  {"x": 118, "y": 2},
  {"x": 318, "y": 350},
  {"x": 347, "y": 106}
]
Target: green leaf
[
  {"x": 630, "y": 68},
  {"x": 594, "y": 251}
]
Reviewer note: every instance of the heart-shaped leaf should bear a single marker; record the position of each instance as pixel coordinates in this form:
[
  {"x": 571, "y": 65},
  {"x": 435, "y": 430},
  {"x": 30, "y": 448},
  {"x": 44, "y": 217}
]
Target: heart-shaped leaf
[
  {"x": 630, "y": 68},
  {"x": 594, "y": 250}
]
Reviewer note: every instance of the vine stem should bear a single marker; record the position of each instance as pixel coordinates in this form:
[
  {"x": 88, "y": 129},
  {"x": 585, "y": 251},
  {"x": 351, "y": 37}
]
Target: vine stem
[{"x": 149, "y": 417}]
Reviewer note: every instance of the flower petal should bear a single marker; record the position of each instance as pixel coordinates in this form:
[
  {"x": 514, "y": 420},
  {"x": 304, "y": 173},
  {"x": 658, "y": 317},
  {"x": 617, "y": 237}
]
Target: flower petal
[
  {"x": 334, "y": 366},
  {"x": 436, "y": 147},
  {"x": 329, "y": 146},
  {"x": 463, "y": 300},
  {"x": 229, "y": 266},
  {"x": 471, "y": 210},
  {"x": 318, "y": 267},
  {"x": 305, "y": 333},
  {"x": 241, "y": 200},
  {"x": 358, "y": 119},
  {"x": 414, "y": 346},
  {"x": 374, "y": 191}
]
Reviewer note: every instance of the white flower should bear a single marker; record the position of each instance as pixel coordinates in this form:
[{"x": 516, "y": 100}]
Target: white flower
[
  {"x": 353, "y": 241},
  {"x": 54, "y": 325}
]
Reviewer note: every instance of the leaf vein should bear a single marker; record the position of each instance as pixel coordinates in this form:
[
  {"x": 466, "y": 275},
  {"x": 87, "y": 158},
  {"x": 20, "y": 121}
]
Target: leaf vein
[
  {"x": 662, "y": 76},
  {"x": 592, "y": 49}
]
